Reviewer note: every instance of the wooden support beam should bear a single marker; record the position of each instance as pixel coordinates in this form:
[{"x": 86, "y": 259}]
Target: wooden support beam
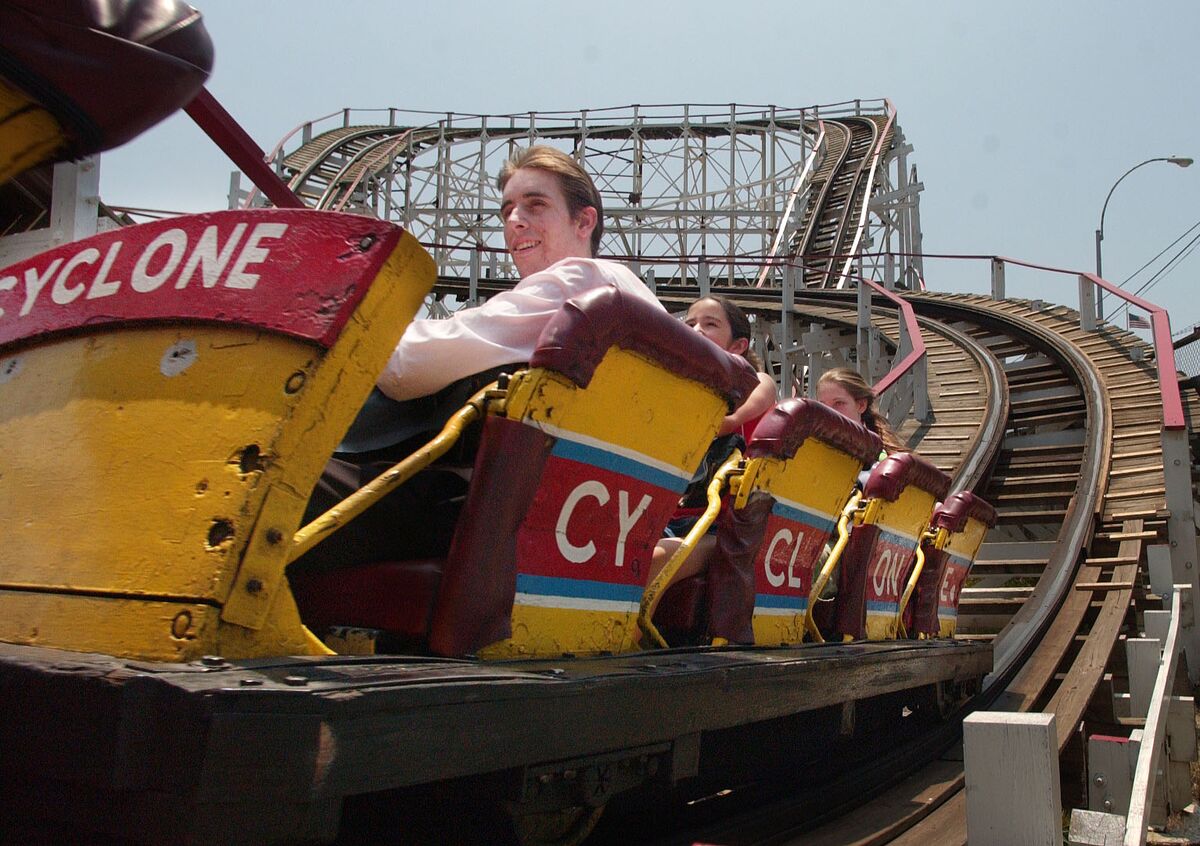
[
  {"x": 1012, "y": 781},
  {"x": 1103, "y": 586}
]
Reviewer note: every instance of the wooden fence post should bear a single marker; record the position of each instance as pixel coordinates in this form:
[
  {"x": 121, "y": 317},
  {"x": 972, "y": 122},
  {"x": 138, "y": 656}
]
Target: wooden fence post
[{"x": 1012, "y": 779}]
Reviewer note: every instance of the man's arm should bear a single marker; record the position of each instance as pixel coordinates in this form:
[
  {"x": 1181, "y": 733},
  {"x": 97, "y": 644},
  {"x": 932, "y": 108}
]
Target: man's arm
[{"x": 503, "y": 330}]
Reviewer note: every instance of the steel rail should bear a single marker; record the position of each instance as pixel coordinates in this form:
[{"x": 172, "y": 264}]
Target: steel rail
[
  {"x": 333, "y": 146},
  {"x": 361, "y": 159},
  {"x": 816, "y": 206},
  {"x": 1020, "y": 635}
]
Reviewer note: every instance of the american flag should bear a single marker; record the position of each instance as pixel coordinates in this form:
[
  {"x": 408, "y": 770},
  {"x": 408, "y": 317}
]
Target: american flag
[{"x": 1136, "y": 321}]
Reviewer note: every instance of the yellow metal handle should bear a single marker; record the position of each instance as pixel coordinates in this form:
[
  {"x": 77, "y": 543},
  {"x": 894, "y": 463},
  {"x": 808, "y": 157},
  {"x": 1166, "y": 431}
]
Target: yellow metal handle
[
  {"x": 835, "y": 556},
  {"x": 908, "y": 589},
  {"x": 307, "y": 537},
  {"x": 653, "y": 592},
  {"x": 938, "y": 540}
]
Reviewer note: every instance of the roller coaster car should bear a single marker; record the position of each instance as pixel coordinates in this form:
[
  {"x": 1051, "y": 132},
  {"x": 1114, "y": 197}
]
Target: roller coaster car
[
  {"x": 169, "y": 395},
  {"x": 876, "y": 570},
  {"x": 802, "y": 465},
  {"x": 77, "y": 78},
  {"x": 567, "y": 498},
  {"x": 957, "y": 529}
]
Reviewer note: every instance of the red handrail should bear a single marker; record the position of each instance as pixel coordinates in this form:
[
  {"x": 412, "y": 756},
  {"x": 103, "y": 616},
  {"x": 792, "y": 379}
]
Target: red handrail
[
  {"x": 914, "y": 333},
  {"x": 225, "y": 132},
  {"x": 1164, "y": 350}
]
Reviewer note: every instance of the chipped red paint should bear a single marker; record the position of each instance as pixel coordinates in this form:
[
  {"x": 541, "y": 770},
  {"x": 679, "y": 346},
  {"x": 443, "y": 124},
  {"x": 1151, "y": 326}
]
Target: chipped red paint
[
  {"x": 300, "y": 273},
  {"x": 784, "y": 565},
  {"x": 892, "y": 562},
  {"x": 591, "y": 523},
  {"x": 957, "y": 568}
]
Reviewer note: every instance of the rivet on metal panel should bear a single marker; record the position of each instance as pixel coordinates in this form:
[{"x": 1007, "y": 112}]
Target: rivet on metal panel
[
  {"x": 250, "y": 682},
  {"x": 9, "y": 368},
  {"x": 181, "y": 625},
  {"x": 295, "y": 681},
  {"x": 366, "y": 242},
  {"x": 254, "y": 586},
  {"x": 212, "y": 661}
]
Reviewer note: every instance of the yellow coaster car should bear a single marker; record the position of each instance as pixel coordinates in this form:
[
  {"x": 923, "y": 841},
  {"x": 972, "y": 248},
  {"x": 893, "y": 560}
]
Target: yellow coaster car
[{"x": 170, "y": 394}]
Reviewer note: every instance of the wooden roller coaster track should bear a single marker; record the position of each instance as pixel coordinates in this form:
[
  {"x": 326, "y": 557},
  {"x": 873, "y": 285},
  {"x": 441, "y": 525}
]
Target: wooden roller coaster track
[{"x": 1077, "y": 478}]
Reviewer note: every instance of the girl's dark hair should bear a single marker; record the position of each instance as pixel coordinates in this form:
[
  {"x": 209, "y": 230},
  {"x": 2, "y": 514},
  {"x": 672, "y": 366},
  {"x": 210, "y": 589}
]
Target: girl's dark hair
[
  {"x": 857, "y": 387},
  {"x": 739, "y": 323}
]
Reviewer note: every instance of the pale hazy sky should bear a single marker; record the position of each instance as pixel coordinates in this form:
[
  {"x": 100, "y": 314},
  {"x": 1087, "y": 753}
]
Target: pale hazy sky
[{"x": 1022, "y": 114}]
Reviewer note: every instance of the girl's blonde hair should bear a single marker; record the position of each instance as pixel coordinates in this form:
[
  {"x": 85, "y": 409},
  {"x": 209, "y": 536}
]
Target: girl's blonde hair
[{"x": 857, "y": 387}]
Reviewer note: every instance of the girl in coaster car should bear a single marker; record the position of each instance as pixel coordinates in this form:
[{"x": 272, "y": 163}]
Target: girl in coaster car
[
  {"x": 727, "y": 326},
  {"x": 845, "y": 391}
]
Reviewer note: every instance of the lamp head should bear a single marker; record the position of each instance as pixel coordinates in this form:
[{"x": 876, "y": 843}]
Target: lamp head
[{"x": 1180, "y": 160}]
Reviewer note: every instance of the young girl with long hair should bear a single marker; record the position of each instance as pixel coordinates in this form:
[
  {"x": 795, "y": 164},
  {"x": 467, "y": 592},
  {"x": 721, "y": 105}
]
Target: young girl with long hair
[
  {"x": 727, "y": 326},
  {"x": 844, "y": 390}
]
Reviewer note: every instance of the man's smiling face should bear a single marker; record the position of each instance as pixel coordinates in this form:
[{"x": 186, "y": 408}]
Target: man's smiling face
[{"x": 538, "y": 229}]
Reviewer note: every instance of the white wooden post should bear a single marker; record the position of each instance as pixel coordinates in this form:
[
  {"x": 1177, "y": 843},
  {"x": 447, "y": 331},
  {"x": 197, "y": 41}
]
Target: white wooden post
[
  {"x": 1181, "y": 529},
  {"x": 1157, "y": 624},
  {"x": 473, "y": 279},
  {"x": 864, "y": 333},
  {"x": 1087, "y": 304},
  {"x": 1110, "y": 773},
  {"x": 75, "y": 200},
  {"x": 1162, "y": 579},
  {"x": 1011, "y": 763},
  {"x": 1142, "y": 654},
  {"x": 997, "y": 279},
  {"x": 1095, "y": 828},
  {"x": 1181, "y": 750}
]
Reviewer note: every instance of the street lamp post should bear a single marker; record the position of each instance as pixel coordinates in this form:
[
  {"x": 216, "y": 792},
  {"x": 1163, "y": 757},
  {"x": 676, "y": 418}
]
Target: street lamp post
[{"x": 1180, "y": 161}]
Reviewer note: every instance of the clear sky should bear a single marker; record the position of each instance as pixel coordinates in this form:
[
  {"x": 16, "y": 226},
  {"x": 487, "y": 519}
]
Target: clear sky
[{"x": 1022, "y": 114}]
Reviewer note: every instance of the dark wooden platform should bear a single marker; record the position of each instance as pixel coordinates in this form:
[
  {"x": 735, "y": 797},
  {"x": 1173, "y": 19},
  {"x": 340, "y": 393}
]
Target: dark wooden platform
[{"x": 275, "y": 745}]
